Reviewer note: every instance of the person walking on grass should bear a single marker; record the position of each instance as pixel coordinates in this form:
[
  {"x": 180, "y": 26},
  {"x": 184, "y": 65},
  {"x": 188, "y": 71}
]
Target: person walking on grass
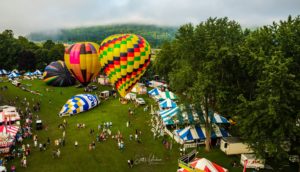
[
  {"x": 58, "y": 153},
  {"x": 76, "y": 144}
]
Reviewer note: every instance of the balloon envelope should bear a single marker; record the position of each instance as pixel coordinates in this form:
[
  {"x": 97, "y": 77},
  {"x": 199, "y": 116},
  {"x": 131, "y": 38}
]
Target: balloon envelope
[
  {"x": 79, "y": 103},
  {"x": 82, "y": 61},
  {"x": 57, "y": 74},
  {"x": 124, "y": 58}
]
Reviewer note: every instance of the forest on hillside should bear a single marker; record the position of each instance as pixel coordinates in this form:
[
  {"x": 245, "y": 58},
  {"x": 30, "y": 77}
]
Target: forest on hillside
[{"x": 155, "y": 35}]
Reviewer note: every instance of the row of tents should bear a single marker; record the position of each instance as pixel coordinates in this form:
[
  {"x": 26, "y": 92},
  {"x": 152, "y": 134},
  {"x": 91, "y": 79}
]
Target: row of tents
[
  {"x": 186, "y": 115},
  {"x": 15, "y": 73}
]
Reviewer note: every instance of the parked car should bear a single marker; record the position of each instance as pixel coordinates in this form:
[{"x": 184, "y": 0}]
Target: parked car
[
  {"x": 90, "y": 88},
  {"x": 140, "y": 101}
]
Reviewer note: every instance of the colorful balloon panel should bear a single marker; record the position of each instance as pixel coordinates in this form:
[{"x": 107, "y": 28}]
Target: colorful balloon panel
[
  {"x": 57, "y": 74},
  {"x": 82, "y": 61},
  {"x": 124, "y": 58},
  {"x": 79, "y": 103}
]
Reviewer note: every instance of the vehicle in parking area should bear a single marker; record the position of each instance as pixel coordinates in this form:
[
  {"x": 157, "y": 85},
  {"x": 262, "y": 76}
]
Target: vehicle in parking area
[
  {"x": 90, "y": 88},
  {"x": 140, "y": 101}
]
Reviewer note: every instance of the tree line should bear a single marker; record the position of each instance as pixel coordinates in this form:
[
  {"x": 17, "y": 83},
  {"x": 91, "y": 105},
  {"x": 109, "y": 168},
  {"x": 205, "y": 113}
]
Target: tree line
[
  {"x": 20, "y": 53},
  {"x": 251, "y": 76},
  {"x": 155, "y": 35}
]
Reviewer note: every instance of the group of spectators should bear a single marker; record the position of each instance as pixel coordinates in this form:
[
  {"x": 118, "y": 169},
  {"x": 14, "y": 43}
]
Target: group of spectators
[{"x": 26, "y": 108}]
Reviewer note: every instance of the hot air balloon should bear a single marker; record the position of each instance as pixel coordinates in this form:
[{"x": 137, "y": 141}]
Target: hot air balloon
[
  {"x": 79, "y": 103},
  {"x": 82, "y": 60},
  {"x": 57, "y": 74},
  {"x": 124, "y": 58}
]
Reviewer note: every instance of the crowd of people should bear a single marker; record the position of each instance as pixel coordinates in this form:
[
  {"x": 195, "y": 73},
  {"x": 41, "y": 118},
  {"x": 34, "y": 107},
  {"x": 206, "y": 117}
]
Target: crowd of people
[
  {"x": 26, "y": 109},
  {"x": 29, "y": 110}
]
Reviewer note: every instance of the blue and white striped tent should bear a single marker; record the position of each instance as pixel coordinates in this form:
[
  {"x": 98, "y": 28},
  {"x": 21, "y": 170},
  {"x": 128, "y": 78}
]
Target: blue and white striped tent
[
  {"x": 79, "y": 103},
  {"x": 28, "y": 74},
  {"x": 216, "y": 118},
  {"x": 13, "y": 75},
  {"x": 37, "y": 72},
  {"x": 168, "y": 103},
  {"x": 198, "y": 132},
  {"x": 154, "y": 92},
  {"x": 3, "y": 72},
  {"x": 167, "y": 115}
]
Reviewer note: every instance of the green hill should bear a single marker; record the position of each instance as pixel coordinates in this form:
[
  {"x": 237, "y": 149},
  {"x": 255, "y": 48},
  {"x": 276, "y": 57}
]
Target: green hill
[{"x": 155, "y": 35}]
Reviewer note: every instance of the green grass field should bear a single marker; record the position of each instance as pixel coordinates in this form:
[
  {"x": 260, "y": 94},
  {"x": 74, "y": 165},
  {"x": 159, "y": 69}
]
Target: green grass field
[{"x": 106, "y": 156}]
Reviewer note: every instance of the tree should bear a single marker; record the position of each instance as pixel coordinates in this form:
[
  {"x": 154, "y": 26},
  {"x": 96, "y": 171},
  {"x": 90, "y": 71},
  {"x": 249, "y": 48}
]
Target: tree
[
  {"x": 56, "y": 52},
  {"x": 26, "y": 60},
  {"x": 268, "y": 117},
  {"x": 42, "y": 59},
  {"x": 269, "y": 120},
  {"x": 205, "y": 59},
  {"x": 164, "y": 60},
  {"x": 49, "y": 44},
  {"x": 9, "y": 50}
]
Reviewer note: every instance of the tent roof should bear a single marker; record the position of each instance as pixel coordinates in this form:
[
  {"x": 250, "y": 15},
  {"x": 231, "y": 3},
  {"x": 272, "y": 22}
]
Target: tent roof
[
  {"x": 198, "y": 132},
  {"x": 168, "y": 95},
  {"x": 13, "y": 75},
  {"x": 167, "y": 115},
  {"x": 168, "y": 103},
  {"x": 204, "y": 165},
  {"x": 215, "y": 118},
  {"x": 154, "y": 92}
]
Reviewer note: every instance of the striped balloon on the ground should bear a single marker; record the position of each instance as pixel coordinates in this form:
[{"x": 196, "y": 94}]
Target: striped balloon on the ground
[
  {"x": 79, "y": 103},
  {"x": 57, "y": 74},
  {"x": 82, "y": 60},
  {"x": 124, "y": 58}
]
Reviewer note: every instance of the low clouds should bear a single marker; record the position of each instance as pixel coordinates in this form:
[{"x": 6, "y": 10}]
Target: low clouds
[{"x": 27, "y": 16}]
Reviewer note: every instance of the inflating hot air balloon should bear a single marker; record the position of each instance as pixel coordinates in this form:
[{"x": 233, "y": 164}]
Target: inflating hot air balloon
[
  {"x": 57, "y": 74},
  {"x": 79, "y": 103},
  {"x": 124, "y": 58},
  {"x": 82, "y": 60}
]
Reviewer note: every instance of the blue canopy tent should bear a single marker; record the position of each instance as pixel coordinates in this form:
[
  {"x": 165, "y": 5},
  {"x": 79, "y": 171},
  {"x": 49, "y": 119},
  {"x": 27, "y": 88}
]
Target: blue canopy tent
[
  {"x": 167, "y": 115},
  {"x": 3, "y": 72},
  {"x": 154, "y": 92},
  {"x": 198, "y": 132},
  {"x": 28, "y": 74},
  {"x": 168, "y": 103},
  {"x": 215, "y": 118},
  {"x": 37, "y": 72},
  {"x": 13, "y": 75}
]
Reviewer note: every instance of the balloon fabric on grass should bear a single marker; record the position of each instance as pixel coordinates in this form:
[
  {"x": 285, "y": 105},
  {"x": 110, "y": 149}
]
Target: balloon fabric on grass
[
  {"x": 82, "y": 61},
  {"x": 57, "y": 74},
  {"x": 124, "y": 58},
  {"x": 79, "y": 103}
]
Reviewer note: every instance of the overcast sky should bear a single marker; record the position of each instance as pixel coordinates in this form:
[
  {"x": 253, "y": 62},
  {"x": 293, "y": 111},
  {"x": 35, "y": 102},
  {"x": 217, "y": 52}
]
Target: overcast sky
[{"x": 25, "y": 16}]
